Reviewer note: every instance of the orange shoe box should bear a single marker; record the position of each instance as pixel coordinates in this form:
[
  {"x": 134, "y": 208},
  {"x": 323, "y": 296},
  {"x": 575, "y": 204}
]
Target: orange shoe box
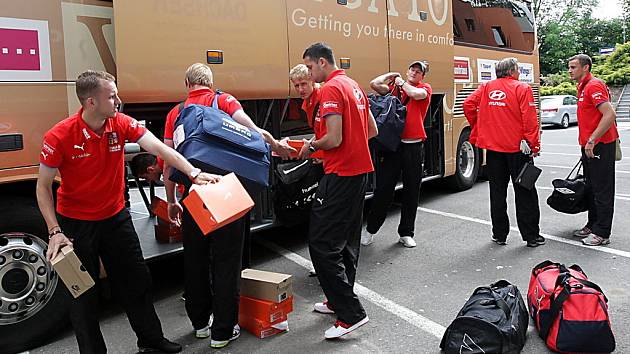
[
  {"x": 160, "y": 208},
  {"x": 217, "y": 204},
  {"x": 263, "y": 329},
  {"x": 266, "y": 311},
  {"x": 165, "y": 232}
]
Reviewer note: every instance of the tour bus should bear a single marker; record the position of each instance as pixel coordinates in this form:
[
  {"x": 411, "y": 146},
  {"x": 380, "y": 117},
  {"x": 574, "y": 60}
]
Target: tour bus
[{"x": 250, "y": 46}]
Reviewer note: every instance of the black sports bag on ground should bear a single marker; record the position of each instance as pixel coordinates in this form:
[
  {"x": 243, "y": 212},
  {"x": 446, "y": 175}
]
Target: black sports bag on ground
[
  {"x": 569, "y": 194},
  {"x": 493, "y": 320}
]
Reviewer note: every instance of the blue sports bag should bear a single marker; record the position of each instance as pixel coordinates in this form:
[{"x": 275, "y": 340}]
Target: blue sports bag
[{"x": 214, "y": 142}]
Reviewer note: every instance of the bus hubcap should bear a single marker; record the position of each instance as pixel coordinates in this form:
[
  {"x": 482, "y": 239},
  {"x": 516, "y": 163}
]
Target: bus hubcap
[
  {"x": 466, "y": 159},
  {"x": 27, "y": 280}
]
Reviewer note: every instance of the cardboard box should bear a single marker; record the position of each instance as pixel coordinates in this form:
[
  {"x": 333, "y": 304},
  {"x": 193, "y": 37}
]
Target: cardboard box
[
  {"x": 165, "y": 232},
  {"x": 258, "y": 284},
  {"x": 263, "y": 329},
  {"x": 159, "y": 207},
  {"x": 72, "y": 272},
  {"x": 266, "y": 311},
  {"x": 218, "y": 204},
  {"x": 297, "y": 145}
]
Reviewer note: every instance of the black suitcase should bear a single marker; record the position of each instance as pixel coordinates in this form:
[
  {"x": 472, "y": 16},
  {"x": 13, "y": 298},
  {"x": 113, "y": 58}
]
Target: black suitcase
[
  {"x": 493, "y": 320},
  {"x": 569, "y": 195}
]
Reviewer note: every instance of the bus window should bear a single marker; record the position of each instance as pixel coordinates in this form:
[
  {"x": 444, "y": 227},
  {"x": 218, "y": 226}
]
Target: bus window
[{"x": 495, "y": 23}]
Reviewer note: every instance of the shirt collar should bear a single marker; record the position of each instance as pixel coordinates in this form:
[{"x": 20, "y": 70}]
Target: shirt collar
[
  {"x": 87, "y": 131},
  {"x": 199, "y": 92},
  {"x": 335, "y": 73},
  {"x": 586, "y": 79}
]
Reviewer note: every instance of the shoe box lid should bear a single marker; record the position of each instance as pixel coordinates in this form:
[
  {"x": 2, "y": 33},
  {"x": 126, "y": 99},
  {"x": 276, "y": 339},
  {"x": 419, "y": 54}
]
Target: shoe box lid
[{"x": 259, "y": 284}]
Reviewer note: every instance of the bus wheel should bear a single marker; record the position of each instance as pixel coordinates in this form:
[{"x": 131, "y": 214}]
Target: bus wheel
[
  {"x": 466, "y": 164},
  {"x": 33, "y": 300}
]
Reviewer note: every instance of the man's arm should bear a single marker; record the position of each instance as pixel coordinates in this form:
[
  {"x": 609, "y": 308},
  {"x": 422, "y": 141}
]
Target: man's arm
[
  {"x": 380, "y": 83},
  {"x": 531, "y": 129},
  {"x": 372, "y": 128},
  {"x": 281, "y": 147},
  {"x": 415, "y": 93},
  {"x": 47, "y": 208},
  {"x": 471, "y": 106},
  {"x": 173, "y": 158},
  {"x": 608, "y": 119},
  {"x": 332, "y": 139},
  {"x": 174, "y": 208}
]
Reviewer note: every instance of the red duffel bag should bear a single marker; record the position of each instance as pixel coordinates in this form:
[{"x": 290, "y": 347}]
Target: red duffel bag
[{"x": 569, "y": 311}]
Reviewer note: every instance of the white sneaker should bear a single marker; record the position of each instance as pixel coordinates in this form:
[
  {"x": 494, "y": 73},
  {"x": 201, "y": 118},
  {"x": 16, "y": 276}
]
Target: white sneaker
[
  {"x": 341, "y": 329},
  {"x": 222, "y": 343},
  {"x": 407, "y": 241},
  {"x": 322, "y": 307},
  {"x": 204, "y": 332},
  {"x": 366, "y": 238}
]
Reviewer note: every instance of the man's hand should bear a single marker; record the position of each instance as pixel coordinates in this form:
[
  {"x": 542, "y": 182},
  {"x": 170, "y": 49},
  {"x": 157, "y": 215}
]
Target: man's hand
[
  {"x": 205, "y": 178},
  {"x": 588, "y": 149},
  {"x": 55, "y": 244},
  {"x": 391, "y": 76},
  {"x": 175, "y": 213},
  {"x": 283, "y": 149},
  {"x": 305, "y": 152},
  {"x": 399, "y": 81}
]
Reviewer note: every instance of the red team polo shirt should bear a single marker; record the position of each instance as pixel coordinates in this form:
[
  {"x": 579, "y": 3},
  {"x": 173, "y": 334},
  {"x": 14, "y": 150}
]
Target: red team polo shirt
[
  {"x": 91, "y": 166},
  {"x": 342, "y": 95},
  {"x": 501, "y": 113},
  {"x": 416, "y": 112},
  {"x": 308, "y": 105},
  {"x": 591, "y": 93},
  {"x": 205, "y": 96}
]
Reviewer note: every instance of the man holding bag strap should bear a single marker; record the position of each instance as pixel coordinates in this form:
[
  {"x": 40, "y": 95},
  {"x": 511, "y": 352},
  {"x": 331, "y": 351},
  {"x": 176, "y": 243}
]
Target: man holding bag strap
[
  {"x": 502, "y": 115},
  {"x": 597, "y": 137}
]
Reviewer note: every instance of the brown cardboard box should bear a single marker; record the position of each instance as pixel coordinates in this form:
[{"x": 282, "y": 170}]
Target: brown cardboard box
[
  {"x": 258, "y": 284},
  {"x": 217, "y": 204},
  {"x": 72, "y": 272}
]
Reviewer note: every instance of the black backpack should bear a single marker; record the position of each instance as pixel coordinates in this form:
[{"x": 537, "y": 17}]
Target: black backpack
[
  {"x": 569, "y": 194},
  {"x": 389, "y": 113},
  {"x": 295, "y": 190},
  {"x": 493, "y": 320}
]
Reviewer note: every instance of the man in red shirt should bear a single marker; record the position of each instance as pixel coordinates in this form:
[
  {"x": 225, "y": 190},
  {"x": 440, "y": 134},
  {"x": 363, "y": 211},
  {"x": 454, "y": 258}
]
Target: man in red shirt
[
  {"x": 502, "y": 115},
  {"x": 335, "y": 225},
  {"x": 212, "y": 263},
  {"x": 307, "y": 89},
  {"x": 409, "y": 157},
  {"x": 87, "y": 150},
  {"x": 597, "y": 137}
]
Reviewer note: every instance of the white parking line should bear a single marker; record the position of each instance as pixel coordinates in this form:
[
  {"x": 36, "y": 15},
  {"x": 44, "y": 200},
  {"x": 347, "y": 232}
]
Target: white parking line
[
  {"x": 571, "y": 167},
  {"x": 575, "y": 145},
  {"x": 513, "y": 228},
  {"x": 386, "y": 304},
  {"x": 544, "y": 153}
]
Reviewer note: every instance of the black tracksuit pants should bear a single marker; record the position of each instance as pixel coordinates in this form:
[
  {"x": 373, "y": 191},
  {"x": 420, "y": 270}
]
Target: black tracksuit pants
[
  {"x": 500, "y": 167},
  {"x": 600, "y": 182},
  {"x": 115, "y": 241},
  {"x": 408, "y": 160},
  {"x": 334, "y": 239},
  {"x": 212, "y": 267}
]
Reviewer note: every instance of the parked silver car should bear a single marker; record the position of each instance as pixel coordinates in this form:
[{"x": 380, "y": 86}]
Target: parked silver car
[{"x": 559, "y": 110}]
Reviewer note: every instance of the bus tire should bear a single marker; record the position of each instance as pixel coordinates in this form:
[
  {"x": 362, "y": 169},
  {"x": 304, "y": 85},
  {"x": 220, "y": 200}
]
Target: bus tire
[
  {"x": 35, "y": 302},
  {"x": 466, "y": 164}
]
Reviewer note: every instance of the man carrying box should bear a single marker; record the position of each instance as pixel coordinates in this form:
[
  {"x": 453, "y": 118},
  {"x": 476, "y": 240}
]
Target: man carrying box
[
  {"x": 87, "y": 151},
  {"x": 212, "y": 262},
  {"x": 342, "y": 127}
]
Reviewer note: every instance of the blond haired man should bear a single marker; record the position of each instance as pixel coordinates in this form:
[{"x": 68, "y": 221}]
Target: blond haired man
[
  {"x": 307, "y": 89},
  {"x": 217, "y": 256}
]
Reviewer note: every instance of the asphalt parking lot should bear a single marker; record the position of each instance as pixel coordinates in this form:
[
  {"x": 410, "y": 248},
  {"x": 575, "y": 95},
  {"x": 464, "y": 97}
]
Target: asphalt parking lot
[{"x": 411, "y": 295}]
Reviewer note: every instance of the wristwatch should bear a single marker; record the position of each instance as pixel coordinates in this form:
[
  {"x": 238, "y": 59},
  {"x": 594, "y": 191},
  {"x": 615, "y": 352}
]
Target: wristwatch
[
  {"x": 194, "y": 173},
  {"x": 311, "y": 148},
  {"x": 590, "y": 141}
]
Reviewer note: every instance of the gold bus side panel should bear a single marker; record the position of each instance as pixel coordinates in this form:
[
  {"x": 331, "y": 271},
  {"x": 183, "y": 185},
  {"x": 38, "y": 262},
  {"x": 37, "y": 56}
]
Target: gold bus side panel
[{"x": 156, "y": 40}]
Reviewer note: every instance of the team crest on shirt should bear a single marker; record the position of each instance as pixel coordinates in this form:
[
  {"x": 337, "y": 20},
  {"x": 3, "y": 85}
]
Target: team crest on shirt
[
  {"x": 112, "y": 140},
  {"x": 598, "y": 96}
]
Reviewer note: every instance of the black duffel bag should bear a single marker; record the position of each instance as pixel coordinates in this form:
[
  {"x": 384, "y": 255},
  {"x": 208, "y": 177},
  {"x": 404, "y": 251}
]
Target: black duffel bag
[
  {"x": 569, "y": 195},
  {"x": 295, "y": 190},
  {"x": 390, "y": 114},
  {"x": 493, "y": 320}
]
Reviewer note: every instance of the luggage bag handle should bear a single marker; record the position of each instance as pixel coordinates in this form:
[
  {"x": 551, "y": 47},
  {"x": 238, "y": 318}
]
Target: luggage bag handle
[
  {"x": 577, "y": 166},
  {"x": 498, "y": 300}
]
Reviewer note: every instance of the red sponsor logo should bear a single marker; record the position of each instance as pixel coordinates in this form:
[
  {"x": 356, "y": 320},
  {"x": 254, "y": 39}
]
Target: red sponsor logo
[
  {"x": 461, "y": 70},
  {"x": 19, "y": 49}
]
